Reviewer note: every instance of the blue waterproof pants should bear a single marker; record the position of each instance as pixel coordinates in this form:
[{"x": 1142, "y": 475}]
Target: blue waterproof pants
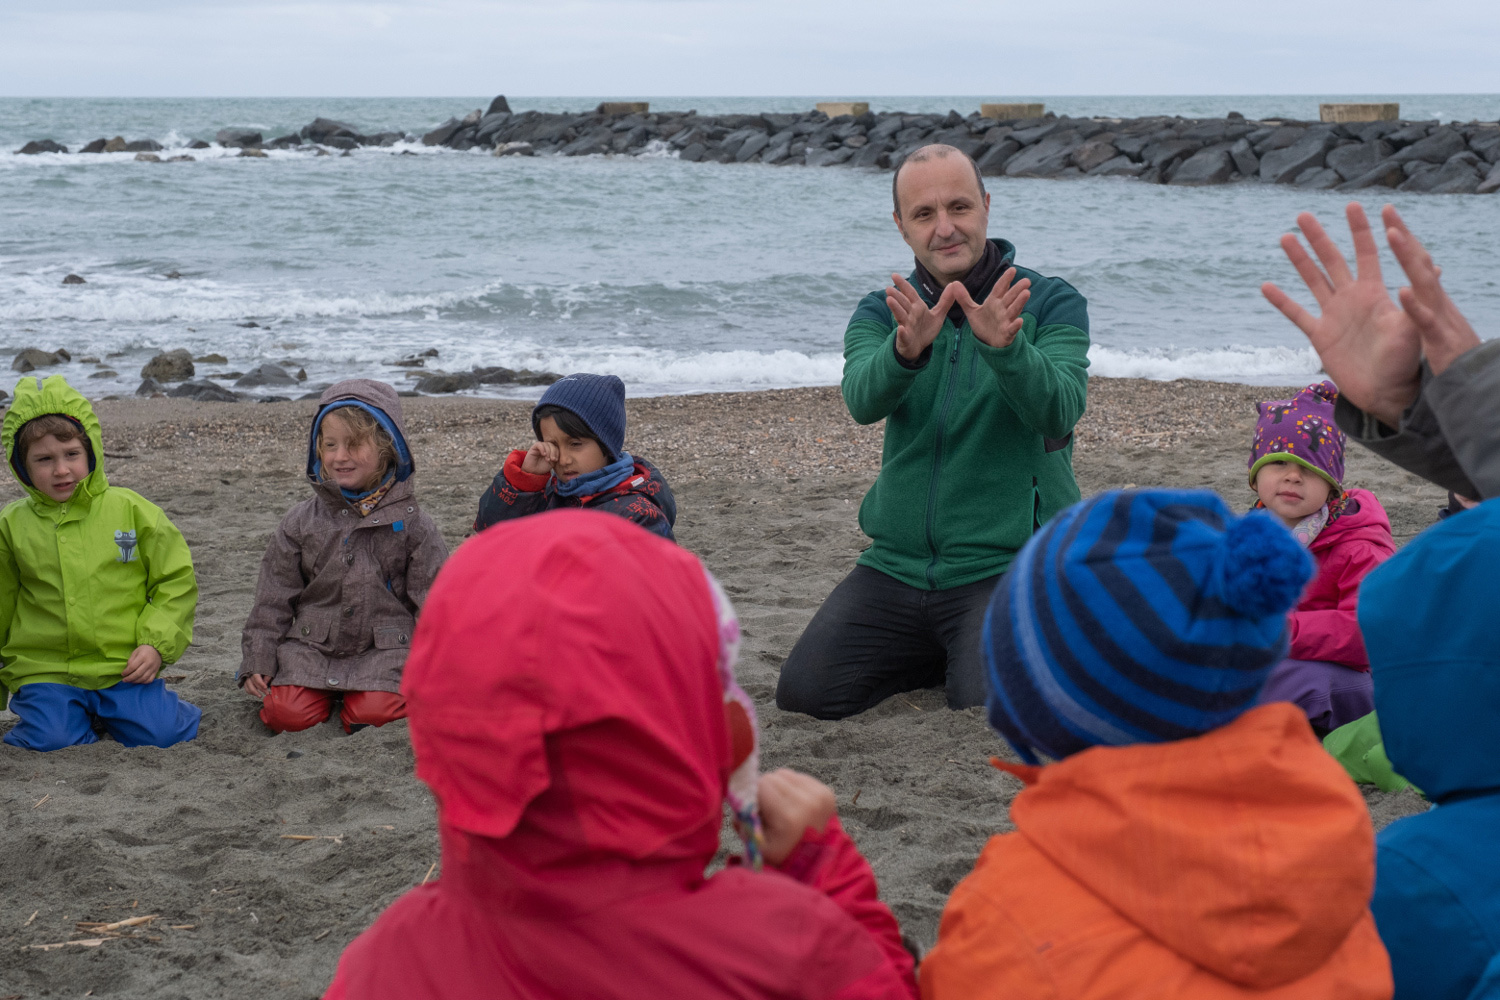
[{"x": 54, "y": 716}]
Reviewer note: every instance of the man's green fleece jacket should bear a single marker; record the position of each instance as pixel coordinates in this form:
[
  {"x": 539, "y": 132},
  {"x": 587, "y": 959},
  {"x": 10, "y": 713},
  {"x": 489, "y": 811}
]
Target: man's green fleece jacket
[{"x": 978, "y": 450}]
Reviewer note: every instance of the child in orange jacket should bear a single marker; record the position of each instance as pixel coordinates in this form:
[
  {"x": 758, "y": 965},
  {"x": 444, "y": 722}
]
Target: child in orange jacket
[{"x": 1185, "y": 844}]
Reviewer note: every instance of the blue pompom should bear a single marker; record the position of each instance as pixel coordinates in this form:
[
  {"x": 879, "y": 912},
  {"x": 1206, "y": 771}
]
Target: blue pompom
[{"x": 1264, "y": 568}]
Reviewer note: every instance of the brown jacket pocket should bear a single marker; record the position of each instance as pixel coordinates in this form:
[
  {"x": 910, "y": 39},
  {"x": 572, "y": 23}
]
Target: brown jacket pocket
[
  {"x": 392, "y": 637},
  {"x": 310, "y": 628}
]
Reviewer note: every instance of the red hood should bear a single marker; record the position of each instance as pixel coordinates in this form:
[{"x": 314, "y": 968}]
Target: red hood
[
  {"x": 565, "y": 704},
  {"x": 1369, "y": 523}
]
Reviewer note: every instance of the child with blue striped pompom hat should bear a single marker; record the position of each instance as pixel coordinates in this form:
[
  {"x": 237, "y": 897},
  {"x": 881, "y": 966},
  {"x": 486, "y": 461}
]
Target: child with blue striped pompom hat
[{"x": 1185, "y": 843}]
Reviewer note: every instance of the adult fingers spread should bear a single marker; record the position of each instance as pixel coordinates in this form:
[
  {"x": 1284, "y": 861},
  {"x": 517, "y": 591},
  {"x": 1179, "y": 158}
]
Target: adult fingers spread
[
  {"x": 1312, "y": 275},
  {"x": 1417, "y": 263},
  {"x": 1424, "y": 318},
  {"x": 1291, "y": 309},
  {"x": 1366, "y": 253},
  {"x": 1328, "y": 251}
]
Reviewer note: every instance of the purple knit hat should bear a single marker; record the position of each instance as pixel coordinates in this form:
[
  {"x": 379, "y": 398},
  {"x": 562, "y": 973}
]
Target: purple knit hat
[{"x": 1301, "y": 430}]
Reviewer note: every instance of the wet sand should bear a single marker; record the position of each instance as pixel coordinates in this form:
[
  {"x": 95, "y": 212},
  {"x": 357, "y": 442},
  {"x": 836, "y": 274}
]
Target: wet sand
[{"x": 768, "y": 486}]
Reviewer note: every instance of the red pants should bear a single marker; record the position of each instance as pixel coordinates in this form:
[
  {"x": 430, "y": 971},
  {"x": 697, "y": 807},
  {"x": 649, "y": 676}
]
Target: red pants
[{"x": 291, "y": 708}]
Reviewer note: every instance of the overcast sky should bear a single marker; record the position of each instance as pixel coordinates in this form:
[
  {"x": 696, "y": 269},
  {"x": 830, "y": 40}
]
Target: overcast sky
[{"x": 745, "y": 47}]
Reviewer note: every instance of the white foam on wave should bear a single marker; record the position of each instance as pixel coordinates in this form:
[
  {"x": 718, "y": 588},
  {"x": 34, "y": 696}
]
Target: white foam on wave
[
  {"x": 652, "y": 370},
  {"x": 1261, "y": 365}
]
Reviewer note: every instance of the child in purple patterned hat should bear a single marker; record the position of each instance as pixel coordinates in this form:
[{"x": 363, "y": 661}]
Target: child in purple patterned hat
[{"x": 1297, "y": 473}]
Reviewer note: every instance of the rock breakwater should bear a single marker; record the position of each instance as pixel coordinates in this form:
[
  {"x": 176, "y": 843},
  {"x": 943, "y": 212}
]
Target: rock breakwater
[{"x": 1414, "y": 156}]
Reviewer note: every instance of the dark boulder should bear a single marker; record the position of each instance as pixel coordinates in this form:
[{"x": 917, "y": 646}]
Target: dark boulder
[
  {"x": 149, "y": 387},
  {"x": 1387, "y": 173},
  {"x": 1047, "y": 158},
  {"x": 1245, "y": 160},
  {"x": 447, "y": 383},
  {"x": 320, "y": 130},
  {"x": 382, "y": 139},
  {"x": 285, "y": 141},
  {"x": 1408, "y": 134},
  {"x": 1037, "y": 133},
  {"x": 169, "y": 366},
  {"x": 42, "y": 146},
  {"x": 874, "y": 154},
  {"x": 1283, "y": 137},
  {"x": 993, "y": 160},
  {"x": 693, "y": 152},
  {"x": 1209, "y": 166},
  {"x": 598, "y": 141},
  {"x": 1162, "y": 155},
  {"x": 116, "y": 145},
  {"x": 499, "y": 106},
  {"x": 196, "y": 144},
  {"x": 753, "y": 145},
  {"x": 1132, "y": 144},
  {"x": 442, "y": 133},
  {"x": 97, "y": 146},
  {"x": 1120, "y": 166},
  {"x": 143, "y": 146},
  {"x": 491, "y": 124},
  {"x": 1491, "y": 182},
  {"x": 74, "y": 279},
  {"x": 1438, "y": 147},
  {"x": 1092, "y": 153},
  {"x": 33, "y": 358},
  {"x": 829, "y": 157},
  {"x": 1486, "y": 143},
  {"x": 1357, "y": 159},
  {"x": 203, "y": 392},
  {"x": 1459, "y": 175},
  {"x": 266, "y": 374},
  {"x": 238, "y": 138},
  {"x": 1283, "y": 166},
  {"x": 343, "y": 142},
  {"x": 1318, "y": 179}
]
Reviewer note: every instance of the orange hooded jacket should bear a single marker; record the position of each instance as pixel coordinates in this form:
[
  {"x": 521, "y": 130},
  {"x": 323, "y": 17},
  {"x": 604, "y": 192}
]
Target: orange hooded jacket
[{"x": 1236, "y": 864}]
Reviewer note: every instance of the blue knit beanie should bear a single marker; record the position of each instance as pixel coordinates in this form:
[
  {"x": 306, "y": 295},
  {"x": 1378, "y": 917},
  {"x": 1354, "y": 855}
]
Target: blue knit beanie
[
  {"x": 1138, "y": 616},
  {"x": 597, "y": 400}
]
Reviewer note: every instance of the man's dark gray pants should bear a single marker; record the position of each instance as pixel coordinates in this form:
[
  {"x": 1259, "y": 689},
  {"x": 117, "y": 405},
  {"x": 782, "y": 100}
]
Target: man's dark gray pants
[{"x": 876, "y": 636}]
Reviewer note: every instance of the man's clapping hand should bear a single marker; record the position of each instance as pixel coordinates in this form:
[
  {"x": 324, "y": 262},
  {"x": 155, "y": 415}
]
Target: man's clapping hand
[
  {"x": 916, "y": 325},
  {"x": 995, "y": 323},
  {"x": 998, "y": 320}
]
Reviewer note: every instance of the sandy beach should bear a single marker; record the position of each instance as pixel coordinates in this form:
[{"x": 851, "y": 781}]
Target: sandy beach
[{"x": 768, "y": 487}]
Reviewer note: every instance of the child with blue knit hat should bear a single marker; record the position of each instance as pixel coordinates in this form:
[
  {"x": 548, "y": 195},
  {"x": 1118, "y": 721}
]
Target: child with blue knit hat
[
  {"x": 1186, "y": 842},
  {"x": 579, "y": 460}
]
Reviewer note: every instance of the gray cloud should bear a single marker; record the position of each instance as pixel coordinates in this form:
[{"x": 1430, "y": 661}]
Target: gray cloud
[{"x": 662, "y": 47}]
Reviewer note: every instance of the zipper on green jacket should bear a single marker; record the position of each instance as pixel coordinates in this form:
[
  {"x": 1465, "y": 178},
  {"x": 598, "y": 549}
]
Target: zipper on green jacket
[
  {"x": 937, "y": 463},
  {"x": 1036, "y": 506}
]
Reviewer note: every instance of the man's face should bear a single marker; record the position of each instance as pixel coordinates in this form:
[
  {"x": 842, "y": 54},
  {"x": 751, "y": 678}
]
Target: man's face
[{"x": 943, "y": 217}]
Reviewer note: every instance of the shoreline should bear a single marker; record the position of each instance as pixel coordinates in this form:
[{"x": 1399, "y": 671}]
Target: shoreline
[{"x": 768, "y": 485}]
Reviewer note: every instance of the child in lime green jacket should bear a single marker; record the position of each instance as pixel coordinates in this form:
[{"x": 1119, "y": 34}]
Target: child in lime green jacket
[{"x": 97, "y": 590}]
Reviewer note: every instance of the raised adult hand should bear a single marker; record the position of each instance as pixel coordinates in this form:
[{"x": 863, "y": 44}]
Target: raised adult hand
[
  {"x": 916, "y": 325},
  {"x": 998, "y": 320},
  {"x": 1444, "y": 331},
  {"x": 791, "y": 802},
  {"x": 1368, "y": 344},
  {"x": 540, "y": 459}
]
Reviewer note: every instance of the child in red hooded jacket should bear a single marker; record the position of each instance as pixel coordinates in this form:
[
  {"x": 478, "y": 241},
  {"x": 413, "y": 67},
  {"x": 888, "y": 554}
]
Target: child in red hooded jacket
[
  {"x": 1297, "y": 472},
  {"x": 573, "y": 707}
]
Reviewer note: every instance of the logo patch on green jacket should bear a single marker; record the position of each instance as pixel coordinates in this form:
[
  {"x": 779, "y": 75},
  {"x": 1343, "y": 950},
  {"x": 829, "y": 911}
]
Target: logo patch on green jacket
[{"x": 126, "y": 542}]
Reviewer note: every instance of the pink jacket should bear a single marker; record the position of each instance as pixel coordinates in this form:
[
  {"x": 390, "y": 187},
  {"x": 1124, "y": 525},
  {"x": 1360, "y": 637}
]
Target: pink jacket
[{"x": 1324, "y": 625}]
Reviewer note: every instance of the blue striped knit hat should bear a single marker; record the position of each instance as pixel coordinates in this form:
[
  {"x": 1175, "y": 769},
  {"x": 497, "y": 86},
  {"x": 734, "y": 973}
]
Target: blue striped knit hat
[{"x": 1138, "y": 616}]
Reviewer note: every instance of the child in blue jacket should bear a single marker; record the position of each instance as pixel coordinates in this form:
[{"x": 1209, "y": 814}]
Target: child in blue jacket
[{"x": 1425, "y": 615}]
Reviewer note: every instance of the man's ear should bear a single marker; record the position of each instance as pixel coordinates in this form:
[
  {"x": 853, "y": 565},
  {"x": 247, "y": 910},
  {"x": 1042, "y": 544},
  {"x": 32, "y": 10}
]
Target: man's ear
[
  {"x": 899, "y": 228},
  {"x": 986, "y": 201}
]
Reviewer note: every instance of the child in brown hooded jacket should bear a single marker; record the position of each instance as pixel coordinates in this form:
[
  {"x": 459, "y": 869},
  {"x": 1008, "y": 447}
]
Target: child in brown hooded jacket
[{"x": 345, "y": 573}]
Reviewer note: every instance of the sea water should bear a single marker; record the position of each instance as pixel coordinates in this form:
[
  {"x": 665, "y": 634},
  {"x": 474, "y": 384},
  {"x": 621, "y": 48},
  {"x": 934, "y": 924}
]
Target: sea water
[{"x": 679, "y": 277}]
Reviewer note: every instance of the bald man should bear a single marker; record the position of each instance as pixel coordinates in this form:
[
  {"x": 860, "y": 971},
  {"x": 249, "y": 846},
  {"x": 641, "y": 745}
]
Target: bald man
[{"x": 979, "y": 369}]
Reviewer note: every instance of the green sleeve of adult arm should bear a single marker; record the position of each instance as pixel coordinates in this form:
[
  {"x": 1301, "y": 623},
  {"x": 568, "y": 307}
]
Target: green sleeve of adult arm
[
  {"x": 1043, "y": 375},
  {"x": 875, "y": 382},
  {"x": 166, "y": 622}
]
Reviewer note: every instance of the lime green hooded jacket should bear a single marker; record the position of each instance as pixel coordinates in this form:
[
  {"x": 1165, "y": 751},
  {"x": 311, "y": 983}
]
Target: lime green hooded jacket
[{"x": 84, "y": 582}]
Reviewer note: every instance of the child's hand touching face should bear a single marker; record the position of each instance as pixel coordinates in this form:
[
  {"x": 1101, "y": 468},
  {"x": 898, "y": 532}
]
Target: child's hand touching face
[
  {"x": 540, "y": 459},
  {"x": 791, "y": 802},
  {"x": 142, "y": 666}
]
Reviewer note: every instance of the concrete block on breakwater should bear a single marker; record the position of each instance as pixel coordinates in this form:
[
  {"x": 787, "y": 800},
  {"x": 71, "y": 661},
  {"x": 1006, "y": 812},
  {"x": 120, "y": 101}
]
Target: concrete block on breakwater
[
  {"x": 623, "y": 107},
  {"x": 837, "y": 109},
  {"x": 1010, "y": 112},
  {"x": 1359, "y": 112}
]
